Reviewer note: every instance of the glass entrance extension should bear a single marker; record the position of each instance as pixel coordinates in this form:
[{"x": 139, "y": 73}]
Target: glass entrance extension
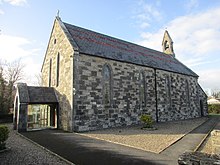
[{"x": 41, "y": 116}]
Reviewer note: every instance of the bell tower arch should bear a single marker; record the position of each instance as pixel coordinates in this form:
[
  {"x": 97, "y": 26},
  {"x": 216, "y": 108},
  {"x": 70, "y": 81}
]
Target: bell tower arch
[{"x": 167, "y": 44}]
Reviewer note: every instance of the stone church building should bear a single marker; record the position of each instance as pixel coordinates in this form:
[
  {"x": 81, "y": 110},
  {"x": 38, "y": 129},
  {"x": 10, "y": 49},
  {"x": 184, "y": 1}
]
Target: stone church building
[{"x": 93, "y": 81}]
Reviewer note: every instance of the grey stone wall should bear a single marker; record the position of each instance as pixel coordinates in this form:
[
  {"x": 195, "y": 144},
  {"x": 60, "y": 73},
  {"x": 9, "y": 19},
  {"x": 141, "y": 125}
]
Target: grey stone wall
[
  {"x": 125, "y": 108},
  {"x": 21, "y": 107},
  {"x": 22, "y": 117},
  {"x": 59, "y": 43},
  {"x": 168, "y": 96},
  {"x": 198, "y": 158},
  {"x": 176, "y": 100},
  {"x": 203, "y": 101}
]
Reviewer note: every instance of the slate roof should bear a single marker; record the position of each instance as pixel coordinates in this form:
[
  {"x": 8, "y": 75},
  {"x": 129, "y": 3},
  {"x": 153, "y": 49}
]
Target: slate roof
[
  {"x": 36, "y": 95},
  {"x": 96, "y": 44},
  {"x": 41, "y": 95}
]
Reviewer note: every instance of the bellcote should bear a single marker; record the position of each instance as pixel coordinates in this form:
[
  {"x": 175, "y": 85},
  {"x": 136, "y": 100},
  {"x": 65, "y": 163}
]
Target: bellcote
[{"x": 167, "y": 44}]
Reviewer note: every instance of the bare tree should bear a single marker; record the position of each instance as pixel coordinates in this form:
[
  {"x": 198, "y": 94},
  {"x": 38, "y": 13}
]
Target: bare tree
[
  {"x": 215, "y": 93},
  {"x": 2, "y": 90},
  {"x": 39, "y": 79},
  {"x": 10, "y": 73},
  {"x": 14, "y": 73}
]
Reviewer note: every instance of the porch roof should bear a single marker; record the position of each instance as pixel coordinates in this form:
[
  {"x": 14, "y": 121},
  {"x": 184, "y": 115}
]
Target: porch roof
[{"x": 36, "y": 95}]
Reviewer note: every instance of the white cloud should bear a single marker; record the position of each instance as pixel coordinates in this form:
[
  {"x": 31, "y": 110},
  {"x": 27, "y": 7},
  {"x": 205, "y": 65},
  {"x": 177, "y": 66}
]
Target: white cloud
[
  {"x": 209, "y": 78},
  {"x": 196, "y": 34},
  {"x": 2, "y": 12},
  {"x": 18, "y": 48},
  {"x": 12, "y": 2},
  {"x": 16, "y": 2},
  {"x": 145, "y": 13},
  {"x": 192, "y": 4},
  {"x": 32, "y": 68},
  {"x": 11, "y": 47},
  {"x": 196, "y": 42},
  {"x": 193, "y": 34}
]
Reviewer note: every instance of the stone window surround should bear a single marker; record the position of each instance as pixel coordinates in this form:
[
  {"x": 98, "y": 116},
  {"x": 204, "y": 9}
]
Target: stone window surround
[
  {"x": 168, "y": 90},
  {"x": 142, "y": 85},
  {"x": 187, "y": 92},
  {"x": 110, "y": 83}
]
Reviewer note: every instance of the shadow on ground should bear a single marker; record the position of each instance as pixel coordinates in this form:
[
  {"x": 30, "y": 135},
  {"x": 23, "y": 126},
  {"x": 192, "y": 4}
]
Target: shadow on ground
[
  {"x": 83, "y": 150},
  {"x": 86, "y": 151}
]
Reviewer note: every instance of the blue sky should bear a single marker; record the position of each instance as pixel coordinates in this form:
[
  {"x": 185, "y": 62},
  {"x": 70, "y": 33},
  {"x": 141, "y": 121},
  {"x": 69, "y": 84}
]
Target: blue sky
[{"x": 193, "y": 25}]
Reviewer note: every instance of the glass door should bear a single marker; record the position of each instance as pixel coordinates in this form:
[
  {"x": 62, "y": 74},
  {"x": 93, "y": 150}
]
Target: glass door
[
  {"x": 33, "y": 120},
  {"x": 41, "y": 116}
]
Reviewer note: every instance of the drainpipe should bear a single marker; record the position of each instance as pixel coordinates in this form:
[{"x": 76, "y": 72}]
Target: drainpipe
[
  {"x": 155, "y": 81},
  {"x": 75, "y": 59},
  {"x": 73, "y": 90}
]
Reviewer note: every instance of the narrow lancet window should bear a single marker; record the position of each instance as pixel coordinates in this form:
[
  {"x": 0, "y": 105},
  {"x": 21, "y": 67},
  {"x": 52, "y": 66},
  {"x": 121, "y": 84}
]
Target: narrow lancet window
[
  {"x": 187, "y": 91},
  {"x": 50, "y": 70},
  {"x": 168, "y": 89},
  {"x": 142, "y": 89},
  {"x": 106, "y": 85},
  {"x": 58, "y": 69}
]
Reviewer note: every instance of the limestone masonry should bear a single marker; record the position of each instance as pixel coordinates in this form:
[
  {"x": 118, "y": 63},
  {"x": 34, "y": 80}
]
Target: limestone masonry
[{"x": 102, "y": 82}]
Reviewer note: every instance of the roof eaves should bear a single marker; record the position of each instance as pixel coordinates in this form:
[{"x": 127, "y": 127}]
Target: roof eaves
[
  {"x": 153, "y": 67},
  {"x": 202, "y": 90},
  {"x": 193, "y": 73}
]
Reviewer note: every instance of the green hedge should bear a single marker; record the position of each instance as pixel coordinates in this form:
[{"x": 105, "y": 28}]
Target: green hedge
[
  {"x": 4, "y": 132},
  {"x": 214, "y": 108}
]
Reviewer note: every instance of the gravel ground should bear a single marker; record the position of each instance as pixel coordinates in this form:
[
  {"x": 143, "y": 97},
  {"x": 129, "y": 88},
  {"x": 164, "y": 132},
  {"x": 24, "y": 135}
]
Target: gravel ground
[
  {"x": 23, "y": 152},
  {"x": 207, "y": 148},
  {"x": 154, "y": 141}
]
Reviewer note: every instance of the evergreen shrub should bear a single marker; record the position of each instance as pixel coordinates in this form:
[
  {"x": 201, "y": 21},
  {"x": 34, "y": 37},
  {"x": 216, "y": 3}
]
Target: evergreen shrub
[
  {"x": 4, "y": 132},
  {"x": 147, "y": 120}
]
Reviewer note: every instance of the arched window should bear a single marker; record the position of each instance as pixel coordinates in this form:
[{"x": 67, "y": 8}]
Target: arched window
[
  {"x": 142, "y": 89},
  {"x": 166, "y": 45},
  {"x": 106, "y": 73}
]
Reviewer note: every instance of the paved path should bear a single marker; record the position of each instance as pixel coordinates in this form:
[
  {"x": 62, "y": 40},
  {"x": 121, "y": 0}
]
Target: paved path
[
  {"x": 22, "y": 152},
  {"x": 82, "y": 150},
  {"x": 191, "y": 140}
]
